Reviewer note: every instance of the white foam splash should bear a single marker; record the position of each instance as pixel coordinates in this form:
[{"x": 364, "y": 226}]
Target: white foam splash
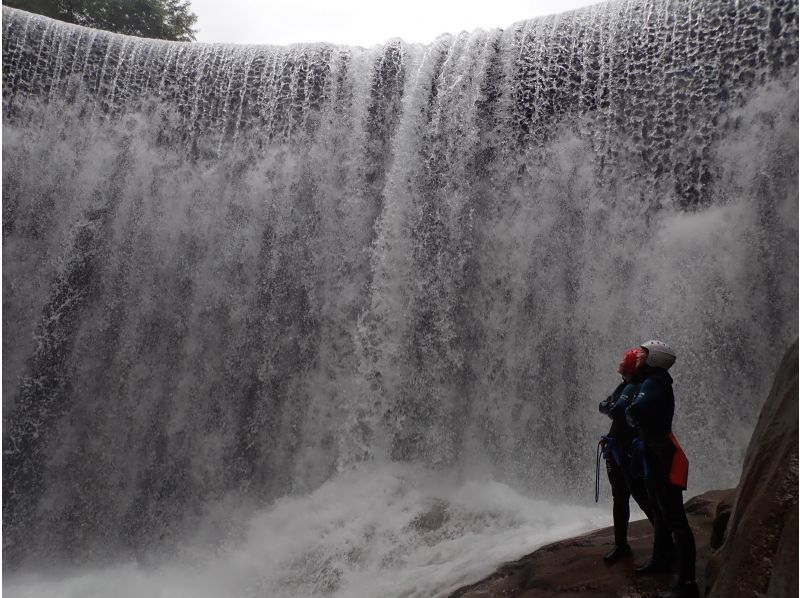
[{"x": 378, "y": 531}]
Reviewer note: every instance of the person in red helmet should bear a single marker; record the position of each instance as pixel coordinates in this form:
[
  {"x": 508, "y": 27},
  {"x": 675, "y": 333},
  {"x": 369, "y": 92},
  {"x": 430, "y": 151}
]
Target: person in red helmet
[{"x": 617, "y": 449}]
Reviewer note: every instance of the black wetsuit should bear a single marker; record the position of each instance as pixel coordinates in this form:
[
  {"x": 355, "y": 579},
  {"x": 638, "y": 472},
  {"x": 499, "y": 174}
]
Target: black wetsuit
[
  {"x": 651, "y": 412},
  {"x": 625, "y": 482}
]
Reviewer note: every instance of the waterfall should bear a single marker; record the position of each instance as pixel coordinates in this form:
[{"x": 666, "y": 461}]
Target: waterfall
[{"x": 233, "y": 272}]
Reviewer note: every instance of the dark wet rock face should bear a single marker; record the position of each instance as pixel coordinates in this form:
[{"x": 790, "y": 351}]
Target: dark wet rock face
[
  {"x": 759, "y": 553},
  {"x": 721, "y": 519}
]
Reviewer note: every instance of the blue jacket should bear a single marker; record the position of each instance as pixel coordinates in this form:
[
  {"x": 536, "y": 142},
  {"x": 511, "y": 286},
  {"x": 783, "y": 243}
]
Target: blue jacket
[
  {"x": 654, "y": 405},
  {"x": 614, "y": 407}
]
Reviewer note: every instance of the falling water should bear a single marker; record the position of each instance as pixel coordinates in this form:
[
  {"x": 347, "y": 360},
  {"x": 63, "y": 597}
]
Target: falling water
[{"x": 235, "y": 276}]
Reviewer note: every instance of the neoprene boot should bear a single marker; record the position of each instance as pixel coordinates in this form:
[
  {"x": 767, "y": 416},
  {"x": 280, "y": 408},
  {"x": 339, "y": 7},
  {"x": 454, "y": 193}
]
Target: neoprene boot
[
  {"x": 684, "y": 589},
  {"x": 653, "y": 566},
  {"x": 617, "y": 553}
]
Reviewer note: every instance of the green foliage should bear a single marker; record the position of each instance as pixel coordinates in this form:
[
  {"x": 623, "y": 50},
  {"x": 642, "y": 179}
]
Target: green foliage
[{"x": 161, "y": 19}]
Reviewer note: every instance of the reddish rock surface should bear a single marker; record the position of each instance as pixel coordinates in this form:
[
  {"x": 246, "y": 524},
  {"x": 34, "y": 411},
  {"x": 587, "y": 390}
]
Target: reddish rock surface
[{"x": 574, "y": 567}]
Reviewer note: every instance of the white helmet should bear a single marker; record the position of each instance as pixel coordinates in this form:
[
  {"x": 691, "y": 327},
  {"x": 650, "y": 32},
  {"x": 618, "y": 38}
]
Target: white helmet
[{"x": 659, "y": 354}]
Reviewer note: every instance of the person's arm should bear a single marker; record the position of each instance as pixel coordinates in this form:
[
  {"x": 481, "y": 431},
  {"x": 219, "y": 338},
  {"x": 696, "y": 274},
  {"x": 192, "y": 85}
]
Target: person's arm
[
  {"x": 641, "y": 409},
  {"x": 623, "y": 402},
  {"x": 607, "y": 404}
]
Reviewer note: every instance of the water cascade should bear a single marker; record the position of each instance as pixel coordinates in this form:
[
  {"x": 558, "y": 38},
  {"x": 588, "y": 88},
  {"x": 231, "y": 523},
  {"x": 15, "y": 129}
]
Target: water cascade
[{"x": 233, "y": 275}]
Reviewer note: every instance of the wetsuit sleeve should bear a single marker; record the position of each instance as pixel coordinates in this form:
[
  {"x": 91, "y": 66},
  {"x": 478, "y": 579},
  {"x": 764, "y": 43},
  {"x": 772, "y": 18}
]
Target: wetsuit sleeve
[
  {"x": 642, "y": 409},
  {"x": 607, "y": 404},
  {"x": 623, "y": 402}
]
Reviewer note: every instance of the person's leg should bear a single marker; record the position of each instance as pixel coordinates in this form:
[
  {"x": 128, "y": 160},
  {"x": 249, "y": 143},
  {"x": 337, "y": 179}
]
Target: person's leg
[
  {"x": 659, "y": 459},
  {"x": 621, "y": 497},
  {"x": 663, "y": 549},
  {"x": 676, "y": 520},
  {"x": 638, "y": 491},
  {"x": 620, "y": 511},
  {"x": 682, "y": 532}
]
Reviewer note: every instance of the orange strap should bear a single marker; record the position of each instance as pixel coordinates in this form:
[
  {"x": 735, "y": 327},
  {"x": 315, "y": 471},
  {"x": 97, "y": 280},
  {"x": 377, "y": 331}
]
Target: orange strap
[{"x": 679, "y": 471}]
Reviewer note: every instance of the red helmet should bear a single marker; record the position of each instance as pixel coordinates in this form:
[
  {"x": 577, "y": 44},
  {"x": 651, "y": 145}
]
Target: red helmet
[{"x": 629, "y": 360}]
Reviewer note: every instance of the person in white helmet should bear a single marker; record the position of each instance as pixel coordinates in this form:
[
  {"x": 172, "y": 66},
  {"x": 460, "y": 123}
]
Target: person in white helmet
[{"x": 666, "y": 469}]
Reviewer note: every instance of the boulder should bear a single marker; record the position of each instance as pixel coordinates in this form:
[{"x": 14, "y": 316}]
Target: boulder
[{"x": 758, "y": 555}]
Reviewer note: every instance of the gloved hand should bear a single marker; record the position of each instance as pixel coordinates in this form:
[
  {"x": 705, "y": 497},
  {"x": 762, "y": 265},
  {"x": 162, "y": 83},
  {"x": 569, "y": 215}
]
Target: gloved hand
[
  {"x": 630, "y": 417},
  {"x": 607, "y": 404}
]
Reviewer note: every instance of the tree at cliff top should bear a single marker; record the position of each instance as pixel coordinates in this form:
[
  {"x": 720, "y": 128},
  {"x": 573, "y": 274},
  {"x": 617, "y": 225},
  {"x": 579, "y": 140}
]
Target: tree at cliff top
[{"x": 160, "y": 19}]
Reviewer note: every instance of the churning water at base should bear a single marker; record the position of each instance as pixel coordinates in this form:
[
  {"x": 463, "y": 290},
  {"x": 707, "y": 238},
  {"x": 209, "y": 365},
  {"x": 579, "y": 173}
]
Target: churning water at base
[
  {"x": 376, "y": 531},
  {"x": 231, "y": 275}
]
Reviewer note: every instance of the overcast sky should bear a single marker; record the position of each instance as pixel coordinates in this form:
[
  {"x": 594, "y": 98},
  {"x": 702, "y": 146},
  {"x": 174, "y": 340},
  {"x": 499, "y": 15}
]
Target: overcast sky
[{"x": 359, "y": 22}]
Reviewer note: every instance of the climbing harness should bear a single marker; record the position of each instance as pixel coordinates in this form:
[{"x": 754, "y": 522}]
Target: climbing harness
[
  {"x": 611, "y": 449},
  {"x": 608, "y": 448}
]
